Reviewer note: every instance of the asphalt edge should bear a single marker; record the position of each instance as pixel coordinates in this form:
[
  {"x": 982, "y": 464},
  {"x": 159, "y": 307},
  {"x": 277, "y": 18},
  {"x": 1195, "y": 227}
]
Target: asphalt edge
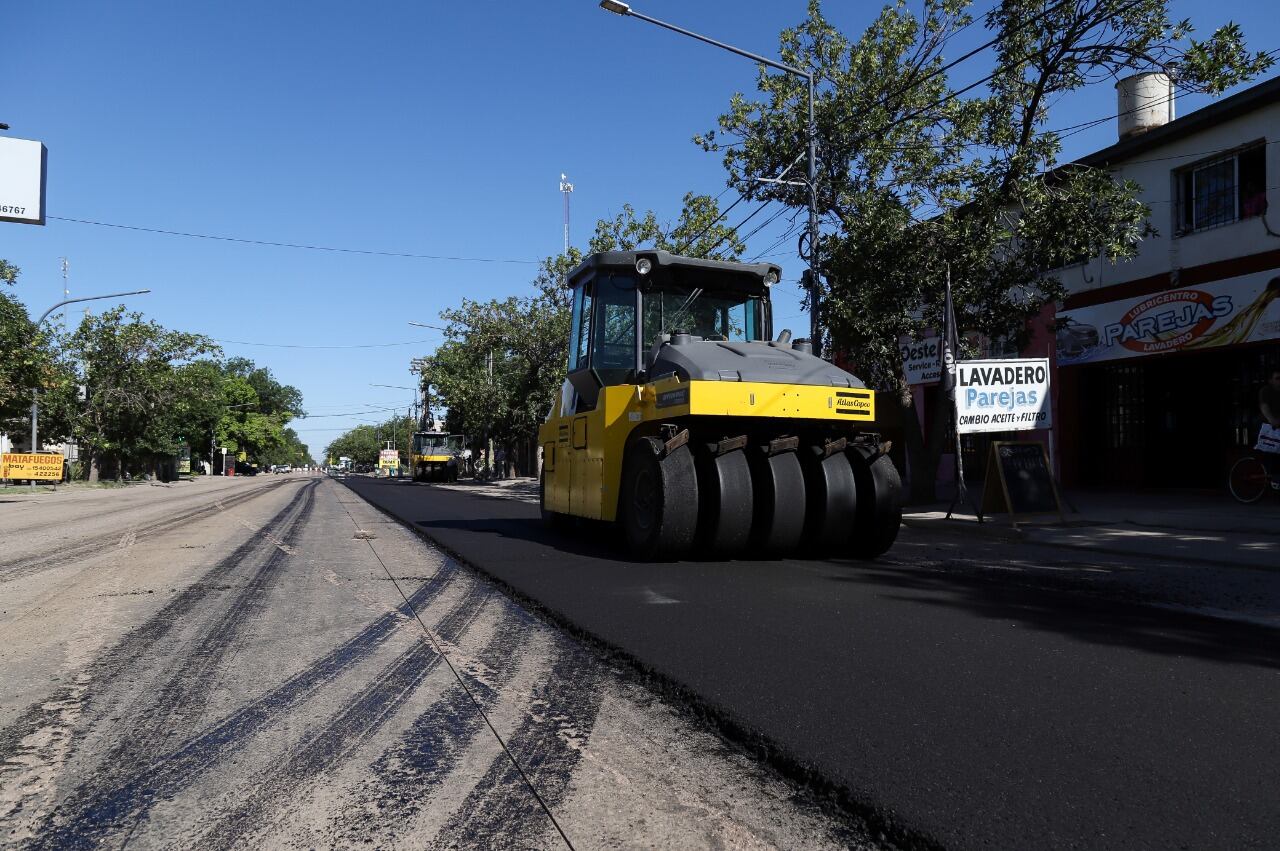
[{"x": 836, "y": 800}]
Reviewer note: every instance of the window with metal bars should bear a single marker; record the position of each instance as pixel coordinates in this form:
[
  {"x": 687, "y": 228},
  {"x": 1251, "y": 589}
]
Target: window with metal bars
[
  {"x": 1222, "y": 190},
  {"x": 1123, "y": 406}
]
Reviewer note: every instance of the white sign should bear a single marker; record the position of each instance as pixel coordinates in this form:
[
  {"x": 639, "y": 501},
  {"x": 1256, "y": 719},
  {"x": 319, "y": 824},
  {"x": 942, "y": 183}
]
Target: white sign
[
  {"x": 922, "y": 361},
  {"x": 1010, "y": 394},
  {"x": 22, "y": 165},
  {"x": 1223, "y": 313}
]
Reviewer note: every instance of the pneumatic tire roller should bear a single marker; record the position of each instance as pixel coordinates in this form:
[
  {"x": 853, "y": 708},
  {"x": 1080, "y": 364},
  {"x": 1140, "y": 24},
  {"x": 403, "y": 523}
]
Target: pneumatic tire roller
[{"x": 683, "y": 423}]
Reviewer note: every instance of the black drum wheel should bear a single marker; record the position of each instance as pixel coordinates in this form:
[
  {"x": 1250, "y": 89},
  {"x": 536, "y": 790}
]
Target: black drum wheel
[
  {"x": 778, "y": 483},
  {"x": 879, "y": 502},
  {"x": 658, "y": 500},
  {"x": 726, "y": 503},
  {"x": 830, "y": 503}
]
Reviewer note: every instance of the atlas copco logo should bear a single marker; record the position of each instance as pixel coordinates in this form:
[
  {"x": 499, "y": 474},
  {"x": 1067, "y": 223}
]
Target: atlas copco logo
[{"x": 1167, "y": 321}]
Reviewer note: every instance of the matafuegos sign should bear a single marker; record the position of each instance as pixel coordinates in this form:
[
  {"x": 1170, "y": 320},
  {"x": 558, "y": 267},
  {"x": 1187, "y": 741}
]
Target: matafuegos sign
[
  {"x": 388, "y": 458},
  {"x": 41, "y": 466},
  {"x": 22, "y": 178},
  {"x": 1222, "y": 313},
  {"x": 1002, "y": 395}
]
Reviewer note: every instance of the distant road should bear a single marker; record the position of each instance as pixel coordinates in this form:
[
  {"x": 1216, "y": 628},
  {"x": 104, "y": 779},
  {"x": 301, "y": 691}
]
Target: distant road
[{"x": 974, "y": 708}]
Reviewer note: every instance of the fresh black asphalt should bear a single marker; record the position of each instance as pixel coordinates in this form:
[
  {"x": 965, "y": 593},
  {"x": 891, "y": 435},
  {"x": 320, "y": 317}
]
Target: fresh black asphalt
[{"x": 961, "y": 710}]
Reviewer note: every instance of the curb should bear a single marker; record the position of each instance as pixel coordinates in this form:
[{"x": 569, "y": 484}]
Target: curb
[{"x": 1019, "y": 536}]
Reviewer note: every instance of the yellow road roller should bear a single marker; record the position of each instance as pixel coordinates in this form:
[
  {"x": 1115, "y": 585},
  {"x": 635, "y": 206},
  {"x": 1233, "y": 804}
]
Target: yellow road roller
[
  {"x": 685, "y": 423},
  {"x": 436, "y": 456}
]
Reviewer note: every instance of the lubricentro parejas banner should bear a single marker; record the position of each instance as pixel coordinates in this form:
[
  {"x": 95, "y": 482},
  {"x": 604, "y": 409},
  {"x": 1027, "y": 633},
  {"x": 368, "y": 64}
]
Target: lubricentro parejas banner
[
  {"x": 1010, "y": 394},
  {"x": 1222, "y": 313}
]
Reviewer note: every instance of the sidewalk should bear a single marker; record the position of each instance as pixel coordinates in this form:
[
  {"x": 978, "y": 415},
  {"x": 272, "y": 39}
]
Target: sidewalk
[{"x": 1206, "y": 528}]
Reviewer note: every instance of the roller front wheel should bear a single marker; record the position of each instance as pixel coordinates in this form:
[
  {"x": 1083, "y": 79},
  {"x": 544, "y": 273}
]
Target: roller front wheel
[
  {"x": 879, "y": 513},
  {"x": 658, "y": 500}
]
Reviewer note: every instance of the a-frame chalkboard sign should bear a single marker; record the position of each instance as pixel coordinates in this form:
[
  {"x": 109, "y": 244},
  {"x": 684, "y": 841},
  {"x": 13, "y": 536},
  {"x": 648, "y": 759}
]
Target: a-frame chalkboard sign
[{"x": 1018, "y": 481}]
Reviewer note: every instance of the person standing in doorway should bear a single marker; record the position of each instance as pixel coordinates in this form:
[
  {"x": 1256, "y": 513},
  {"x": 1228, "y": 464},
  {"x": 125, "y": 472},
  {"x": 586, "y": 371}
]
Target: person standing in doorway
[{"x": 1269, "y": 433}]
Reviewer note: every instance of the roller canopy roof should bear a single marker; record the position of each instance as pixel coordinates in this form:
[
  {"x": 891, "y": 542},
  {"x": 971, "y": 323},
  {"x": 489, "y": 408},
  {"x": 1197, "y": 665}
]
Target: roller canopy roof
[{"x": 689, "y": 271}]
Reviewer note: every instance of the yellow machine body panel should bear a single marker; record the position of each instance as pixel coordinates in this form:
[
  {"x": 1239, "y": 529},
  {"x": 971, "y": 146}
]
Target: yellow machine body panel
[
  {"x": 583, "y": 453},
  {"x": 432, "y": 459}
]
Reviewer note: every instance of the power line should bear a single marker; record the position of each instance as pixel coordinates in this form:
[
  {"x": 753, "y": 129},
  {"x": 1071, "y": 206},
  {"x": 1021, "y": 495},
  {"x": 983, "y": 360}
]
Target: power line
[
  {"x": 304, "y": 246},
  {"x": 301, "y": 346},
  {"x": 689, "y": 242},
  {"x": 351, "y": 413},
  {"x": 734, "y": 230},
  {"x": 765, "y": 224}
]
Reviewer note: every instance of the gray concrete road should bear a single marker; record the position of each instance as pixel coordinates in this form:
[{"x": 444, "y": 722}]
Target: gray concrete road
[{"x": 273, "y": 663}]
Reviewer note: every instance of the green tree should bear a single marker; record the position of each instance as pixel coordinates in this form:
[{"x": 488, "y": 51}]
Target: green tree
[
  {"x": 503, "y": 361},
  {"x": 290, "y": 450},
  {"x": 28, "y": 359},
  {"x": 255, "y": 408},
  {"x": 915, "y": 177},
  {"x": 363, "y": 443},
  {"x": 135, "y": 386}
]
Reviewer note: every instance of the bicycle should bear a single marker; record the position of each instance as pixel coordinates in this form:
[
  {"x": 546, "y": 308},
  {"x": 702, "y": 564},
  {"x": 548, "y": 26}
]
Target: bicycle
[{"x": 1249, "y": 480}]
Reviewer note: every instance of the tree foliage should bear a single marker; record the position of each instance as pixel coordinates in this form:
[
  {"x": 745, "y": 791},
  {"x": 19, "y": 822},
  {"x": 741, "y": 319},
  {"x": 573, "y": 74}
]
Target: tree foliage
[
  {"x": 916, "y": 176},
  {"x": 135, "y": 386},
  {"x": 363, "y": 443},
  {"x": 503, "y": 361}
]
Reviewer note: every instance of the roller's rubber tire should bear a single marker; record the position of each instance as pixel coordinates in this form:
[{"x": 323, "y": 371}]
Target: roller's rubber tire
[
  {"x": 879, "y": 515},
  {"x": 831, "y": 503},
  {"x": 658, "y": 500},
  {"x": 725, "y": 505},
  {"x": 777, "y": 527}
]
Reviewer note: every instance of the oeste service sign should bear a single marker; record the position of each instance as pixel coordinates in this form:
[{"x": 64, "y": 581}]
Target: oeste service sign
[{"x": 922, "y": 361}]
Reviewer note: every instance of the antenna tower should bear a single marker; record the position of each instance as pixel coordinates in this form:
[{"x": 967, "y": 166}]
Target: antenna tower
[{"x": 566, "y": 188}]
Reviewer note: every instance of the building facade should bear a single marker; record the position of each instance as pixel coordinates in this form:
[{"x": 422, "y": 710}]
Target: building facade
[{"x": 1158, "y": 360}]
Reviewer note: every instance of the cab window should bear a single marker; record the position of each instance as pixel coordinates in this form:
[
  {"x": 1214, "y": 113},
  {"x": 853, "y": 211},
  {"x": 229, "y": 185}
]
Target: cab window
[
  {"x": 614, "y": 341},
  {"x": 581, "y": 333}
]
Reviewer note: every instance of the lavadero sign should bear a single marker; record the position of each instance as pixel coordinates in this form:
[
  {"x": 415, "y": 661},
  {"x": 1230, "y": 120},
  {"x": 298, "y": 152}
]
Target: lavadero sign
[
  {"x": 1222, "y": 313},
  {"x": 1003, "y": 395}
]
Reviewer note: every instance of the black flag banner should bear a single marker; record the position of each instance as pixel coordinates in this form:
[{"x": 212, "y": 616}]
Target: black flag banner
[{"x": 950, "y": 345}]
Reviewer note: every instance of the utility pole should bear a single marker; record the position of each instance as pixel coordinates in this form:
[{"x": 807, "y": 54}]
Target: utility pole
[
  {"x": 566, "y": 188},
  {"x": 66, "y": 293}
]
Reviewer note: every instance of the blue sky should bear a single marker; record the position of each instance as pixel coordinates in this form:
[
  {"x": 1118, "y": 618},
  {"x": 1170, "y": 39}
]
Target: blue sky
[{"x": 403, "y": 127}]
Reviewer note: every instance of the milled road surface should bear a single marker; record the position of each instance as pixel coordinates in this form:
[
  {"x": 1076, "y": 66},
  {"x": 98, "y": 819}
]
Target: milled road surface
[
  {"x": 273, "y": 663},
  {"x": 963, "y": 692}
]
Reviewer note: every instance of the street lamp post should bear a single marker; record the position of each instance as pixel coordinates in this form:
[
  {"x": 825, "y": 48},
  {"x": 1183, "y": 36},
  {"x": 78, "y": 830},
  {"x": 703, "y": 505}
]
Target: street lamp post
[
  {"x": 412, "y": 411},
  {"x": 35, "y": 391},
  {"x": 620, "y": 8}
]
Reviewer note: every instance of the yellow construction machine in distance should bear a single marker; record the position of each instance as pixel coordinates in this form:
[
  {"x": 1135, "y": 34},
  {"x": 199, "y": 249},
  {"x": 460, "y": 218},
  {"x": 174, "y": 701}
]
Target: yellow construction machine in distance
[
  {"x": 436, "y": 456},
  {"x": 683, "y": 422}
]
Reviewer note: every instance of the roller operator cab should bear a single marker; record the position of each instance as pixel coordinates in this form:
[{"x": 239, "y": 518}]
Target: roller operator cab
[
  {"x": 436, "y": 456},
  {"x": 685, "y": 423}
]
